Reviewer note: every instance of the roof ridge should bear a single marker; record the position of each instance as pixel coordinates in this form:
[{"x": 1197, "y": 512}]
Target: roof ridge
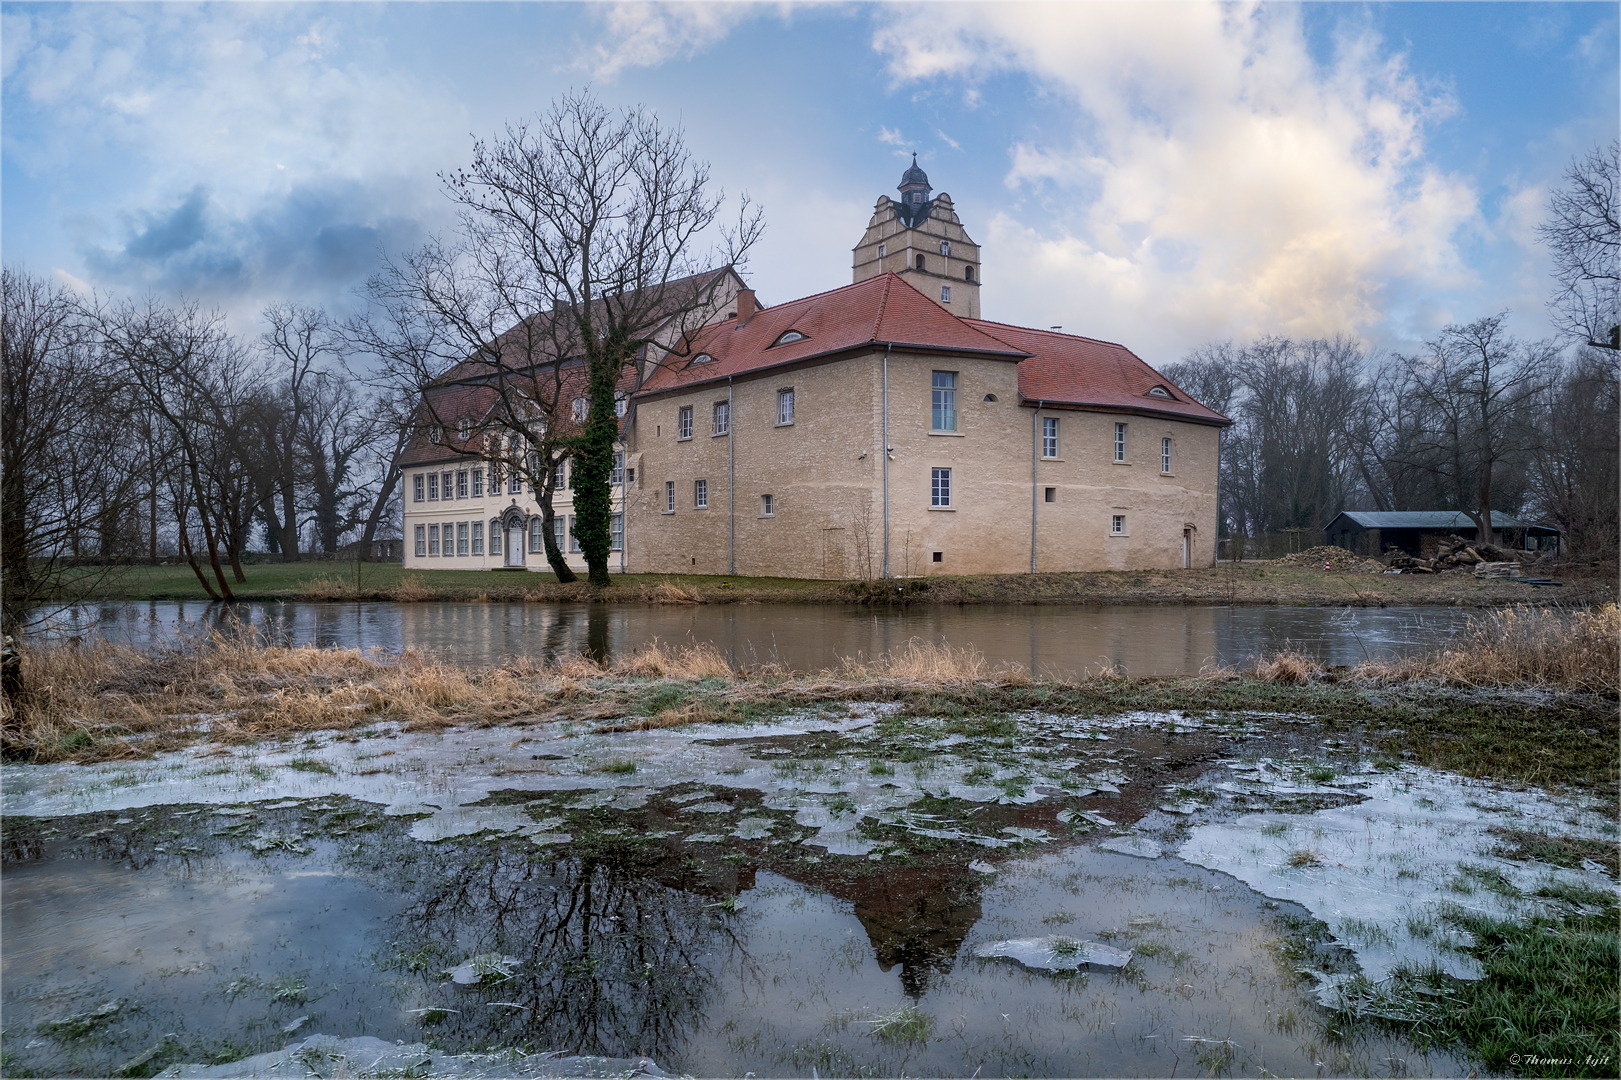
[
  {"x": 1054, "y": 333},
  {"x": 883, "y": 304}
]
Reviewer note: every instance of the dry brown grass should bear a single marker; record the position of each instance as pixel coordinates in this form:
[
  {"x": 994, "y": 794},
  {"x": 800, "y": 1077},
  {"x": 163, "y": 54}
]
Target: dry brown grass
[
  {"x": 1523, "y": 646},
  {"x": 412, "y": 590},
  {"x": 1297, "y": 668},
  {"x": 924, "y": 662}
]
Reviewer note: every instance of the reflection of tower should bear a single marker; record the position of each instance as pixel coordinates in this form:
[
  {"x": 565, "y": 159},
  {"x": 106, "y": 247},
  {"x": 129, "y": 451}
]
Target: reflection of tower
[
  {"x": 923, "y": 241},
  {"x": 918, "y": 921}
]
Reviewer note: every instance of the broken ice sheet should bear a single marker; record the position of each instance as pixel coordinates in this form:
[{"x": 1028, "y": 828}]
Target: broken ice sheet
[
  {"x": 1132, "y": 844},
  {"x": 1054, "y": 953}
]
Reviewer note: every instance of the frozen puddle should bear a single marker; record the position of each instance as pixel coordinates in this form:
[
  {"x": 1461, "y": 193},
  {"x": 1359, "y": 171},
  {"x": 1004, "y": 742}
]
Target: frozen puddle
[{"x": 1380, "y": 872}]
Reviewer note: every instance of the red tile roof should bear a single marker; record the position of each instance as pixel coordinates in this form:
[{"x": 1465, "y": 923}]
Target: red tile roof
[
  {"x": 884, "y": 310},
  {"x": 1064, "y": 369}
]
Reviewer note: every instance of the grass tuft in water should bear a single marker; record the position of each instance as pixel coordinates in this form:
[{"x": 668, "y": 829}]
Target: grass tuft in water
[{"x": 903, "y": 1025}]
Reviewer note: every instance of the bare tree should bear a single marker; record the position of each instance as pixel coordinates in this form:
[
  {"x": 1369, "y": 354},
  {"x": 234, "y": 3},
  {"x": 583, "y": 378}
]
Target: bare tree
[
  {"x": 299, "y": 345},
  {"x": 1477, "y": 388},
  {"x": 63, "y": 483},
  {"x": 1583, "y": 235},
  {"x": 1576, "y": 468},
  {"x": 593, "y": 217}
]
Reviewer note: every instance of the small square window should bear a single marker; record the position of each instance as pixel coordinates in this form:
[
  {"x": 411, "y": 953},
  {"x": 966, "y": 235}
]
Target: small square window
[
  {"x": 939, "y": 556},
  {"x": 669, "y": 496},
  {"x": 940, "y": 487},
  {"x": 785, "y": 407},
  {"x": 1050, "y": 494},
  {"x": 683, "y": 424},
  {"x": 700, "y": 494},
  {"x": 768, "y": 506},
  {"x": 1118, "y": 525}
]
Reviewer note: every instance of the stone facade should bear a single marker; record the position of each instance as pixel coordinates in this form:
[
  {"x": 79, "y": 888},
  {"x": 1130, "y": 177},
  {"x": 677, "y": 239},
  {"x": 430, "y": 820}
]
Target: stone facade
[{"x": 925, "y": 244}]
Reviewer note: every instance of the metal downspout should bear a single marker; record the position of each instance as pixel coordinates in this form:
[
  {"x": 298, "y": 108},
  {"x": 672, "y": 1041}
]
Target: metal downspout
[
  {"x": 1035, "y": 458},
  {"x": 731, "y": 483},
  {"x": 885, "y": 462}
]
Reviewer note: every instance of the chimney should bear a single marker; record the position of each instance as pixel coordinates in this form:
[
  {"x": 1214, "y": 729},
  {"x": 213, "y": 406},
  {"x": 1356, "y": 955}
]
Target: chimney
[{"x": 745, "y": 305}]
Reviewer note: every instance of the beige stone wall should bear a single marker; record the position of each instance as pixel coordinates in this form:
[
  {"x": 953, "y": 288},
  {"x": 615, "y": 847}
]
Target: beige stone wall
[
  {"x": 827, "y": 519},
  {"x": 481, "y": 509},
  {"x": 901, "y": 247}
]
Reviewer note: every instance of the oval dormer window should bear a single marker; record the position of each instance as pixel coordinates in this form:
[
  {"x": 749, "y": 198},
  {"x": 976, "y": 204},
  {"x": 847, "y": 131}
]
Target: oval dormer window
[
  {"x": 1160, "y": 392},
  {"x": 789, "y": 338},
  {"x": 702, "y": 358}
]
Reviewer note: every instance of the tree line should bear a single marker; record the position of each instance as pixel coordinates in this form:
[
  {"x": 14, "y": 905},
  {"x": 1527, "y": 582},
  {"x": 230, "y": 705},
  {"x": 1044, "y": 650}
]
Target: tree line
[{"x": 139, "y": 431}]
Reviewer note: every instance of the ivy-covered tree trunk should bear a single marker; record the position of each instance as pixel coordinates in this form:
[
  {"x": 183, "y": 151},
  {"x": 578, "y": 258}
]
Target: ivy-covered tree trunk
[
  {"x": 593, "y": 463},
  {"x": 554, "y": 554}
]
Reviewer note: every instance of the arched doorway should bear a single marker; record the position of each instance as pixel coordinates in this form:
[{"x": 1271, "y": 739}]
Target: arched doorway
[{"x": 514, "y": 523}]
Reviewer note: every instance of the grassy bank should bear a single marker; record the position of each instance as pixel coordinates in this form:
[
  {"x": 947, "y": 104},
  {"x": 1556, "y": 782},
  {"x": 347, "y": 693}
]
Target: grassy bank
[
  {"x": 1530, "y": 697},
  {"x": 1266, "y": 583}
]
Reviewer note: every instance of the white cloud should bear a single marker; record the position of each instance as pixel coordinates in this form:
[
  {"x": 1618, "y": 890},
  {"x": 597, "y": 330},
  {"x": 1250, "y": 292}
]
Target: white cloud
[
  {"x": 892, "y": 137},
  {"x": 1215, "y": 179},
  {"x": 646, "y": 35}
]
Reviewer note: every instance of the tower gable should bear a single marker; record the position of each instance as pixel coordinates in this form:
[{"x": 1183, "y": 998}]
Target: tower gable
[{"x": 922, "y": 240}]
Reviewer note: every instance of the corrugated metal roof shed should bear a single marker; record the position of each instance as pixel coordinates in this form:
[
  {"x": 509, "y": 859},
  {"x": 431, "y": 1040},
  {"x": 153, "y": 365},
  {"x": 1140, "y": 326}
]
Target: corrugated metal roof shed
[{"x": 1423, "y": 519}]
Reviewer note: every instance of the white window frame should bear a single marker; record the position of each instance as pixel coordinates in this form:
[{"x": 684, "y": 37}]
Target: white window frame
[
  {"x": 1049, "y": 437},
  {"x": 1120, "y": 442},
  {"x": 478, "y": 483},
  {"x": 464, "y": 428},
  {"x": 683, "y": 423},
  {"x": 461, "y": 539},
  {"x": 447, "y": 486},
  {"x": 560, "y": 475},
  {"x": 417, "y": 488},
  {"x": 478, "y": 538},
  {"x": 700, "y": 494},
  {"x": 578, "y": 410},
  {"x": 943, "y": 401},
  {"x": 515, "y": 482},
  {"x": 433, "y": 487},
  {"x": 621, "y": 405},
  {"x": 616, "y": 532},
  {"x": 945, "y": 294},
  {"x": 785, "y": 407},
  {"x": 560, "y": 532},
  {"x": 574, "y": 534},
  {"x": 461, "y": 483},
  {"x": 495, "y": 537},
  {"x": 421, "y": 536},
  {"x": 433, "y": 539},
  {"x": 768, "y": 506},
  {"x": 720, "y": 418},
  {"x": 669, "y": 496},
  {"x": 945, "y": 247},
  {"x": 537, "y": 535},
  {"x": 1165, "y": 455},
  {"x": 883, "y": 249},
  {"x": 1117, "y": 525},
  {"x": 616, "y": 477},
  {"x": 448, "y": 530},
  {"x": 940, "y": 489}
]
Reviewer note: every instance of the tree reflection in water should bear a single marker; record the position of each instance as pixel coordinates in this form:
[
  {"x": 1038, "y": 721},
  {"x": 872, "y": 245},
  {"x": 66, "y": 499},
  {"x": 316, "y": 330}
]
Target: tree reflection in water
[{"x": 609, "y": 961}]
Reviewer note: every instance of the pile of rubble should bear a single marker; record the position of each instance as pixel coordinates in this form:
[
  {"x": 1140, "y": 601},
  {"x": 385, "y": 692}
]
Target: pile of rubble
[
  {"x": 1456, "y": 553},
  {"x": 1332, "y": 558}
]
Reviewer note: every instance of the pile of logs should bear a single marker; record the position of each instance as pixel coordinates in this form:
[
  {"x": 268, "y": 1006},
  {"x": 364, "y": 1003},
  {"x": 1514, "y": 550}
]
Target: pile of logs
[{"x": 1455, "y": 552}]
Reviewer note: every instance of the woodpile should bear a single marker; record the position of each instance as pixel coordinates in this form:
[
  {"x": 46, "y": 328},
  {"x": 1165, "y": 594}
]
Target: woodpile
[
  {"x": 1456, "y": 553},
  {"x": 1332, "y": 559}
]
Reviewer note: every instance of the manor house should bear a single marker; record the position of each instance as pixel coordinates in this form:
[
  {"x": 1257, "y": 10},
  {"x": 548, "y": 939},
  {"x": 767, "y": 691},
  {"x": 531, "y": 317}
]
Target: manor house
[{"x": 879, "y": 429}]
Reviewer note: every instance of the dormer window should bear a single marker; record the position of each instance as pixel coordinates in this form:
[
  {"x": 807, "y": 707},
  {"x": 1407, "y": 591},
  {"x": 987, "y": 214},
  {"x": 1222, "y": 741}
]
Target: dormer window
[
  {"x": 436, "y": 433},
  {"x": 621, "y": 405},
  {"x": 789, "y": 338},
  {"x": 915, "y": 198},
  {"x": 463, "y": 430},
  {"x": 702, "y": 358},
  {"x": 1160, "y": 392}
]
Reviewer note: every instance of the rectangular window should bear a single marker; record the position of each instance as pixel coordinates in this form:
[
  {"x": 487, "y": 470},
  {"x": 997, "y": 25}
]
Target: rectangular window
[
  {"x": 669, "y": 496},
  {"x": 560, "y": 532},
  {"x": 785, "y": 407},
  {"x": 945, "y": 294},
  {"x": 422, "y": 540},
  {"x": 683, "y": 423},
  {"x": 581, "y": 407},
  {"x": 574, "y": 534},
  {"x": 537, "y": 537},
  {"x": 433, "y": 487},
  {"x": 940, "y": 487},
  {"x": 945, "y": 401},
  {"x": 616, "y": 533},
  {"x": 495, "y": 538},
  {"x": 433, "y": 539},
  {"x": 1050, "y": 494},
  {"x": 1120, "y": 442},
  {"x": 723, "y": 418},
  {"x": 768, "y": 506},
  {"x": 700, "y": 493},
  {"x": 461, "y": 538},
  {"x": 1118, "y": 525},
  {"x": 617, "y": 476},
  {"x": 1049, "y": 436},
  {"x": 560, "y": 476},
  {"x": 478, "y": 538},
  {"x": 1165, "y": 455},
  {"x": 416, "y": 491},
  {"x": 449, "y": 530},
  {"x": 461, "y": 483},
  {"x": 478, "y": 483},
  {"x": 445, "y": 482}
]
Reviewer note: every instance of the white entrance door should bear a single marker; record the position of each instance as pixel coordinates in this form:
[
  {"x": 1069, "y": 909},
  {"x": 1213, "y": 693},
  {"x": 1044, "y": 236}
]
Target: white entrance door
[{"x": 515, "y": 546}]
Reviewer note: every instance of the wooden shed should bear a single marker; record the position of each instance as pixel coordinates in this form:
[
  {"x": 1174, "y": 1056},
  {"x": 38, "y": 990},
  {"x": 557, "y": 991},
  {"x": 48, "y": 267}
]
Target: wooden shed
[{"x": 1419, "y": 532}]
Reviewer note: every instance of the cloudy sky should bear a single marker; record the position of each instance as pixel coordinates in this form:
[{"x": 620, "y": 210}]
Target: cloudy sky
[{"x": 1161, "y": 174}]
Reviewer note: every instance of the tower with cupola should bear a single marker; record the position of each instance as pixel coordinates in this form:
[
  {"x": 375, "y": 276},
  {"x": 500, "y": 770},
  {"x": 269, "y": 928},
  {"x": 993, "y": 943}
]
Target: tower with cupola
[{"x": 922, "y": 239}]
